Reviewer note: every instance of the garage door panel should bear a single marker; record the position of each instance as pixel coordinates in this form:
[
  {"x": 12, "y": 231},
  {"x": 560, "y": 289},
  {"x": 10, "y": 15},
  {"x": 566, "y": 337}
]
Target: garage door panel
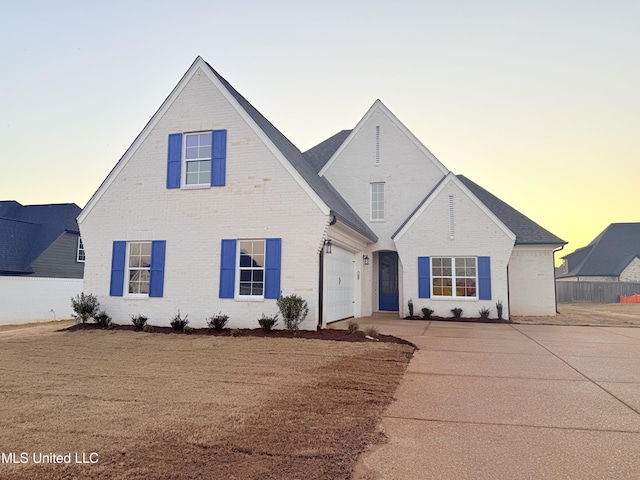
[{"x": 339, "y": 284}]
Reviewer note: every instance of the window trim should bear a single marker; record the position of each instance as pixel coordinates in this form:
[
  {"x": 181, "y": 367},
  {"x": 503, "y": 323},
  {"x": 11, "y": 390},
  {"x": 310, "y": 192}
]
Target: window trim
[
  {"x": 127, "y": 269},
  {"x": 184, "y": 161},
  {"x": 371, "y": 202},
  {"x": 80, "y": 249},
  {"x": 453, "y": 277},
  {"x": 239, "y": 269}
]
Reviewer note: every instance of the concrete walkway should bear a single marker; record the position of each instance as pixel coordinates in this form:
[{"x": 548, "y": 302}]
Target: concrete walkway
[{"x": 499, "y": 401}]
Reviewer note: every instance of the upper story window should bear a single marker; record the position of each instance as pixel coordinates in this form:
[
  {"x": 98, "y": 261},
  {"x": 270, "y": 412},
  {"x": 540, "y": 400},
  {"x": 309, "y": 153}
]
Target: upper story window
[
  {"x": 454, "y": 277},
  {"x": 377, "y": 201},
  {"x": 80, "y": 256},
  {"x": 139, "y": 268},
  {"x": 197, "y": 155}
]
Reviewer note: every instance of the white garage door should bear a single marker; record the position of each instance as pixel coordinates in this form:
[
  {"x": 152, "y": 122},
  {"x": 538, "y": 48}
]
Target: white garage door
[{"x": 339, "y": 284}]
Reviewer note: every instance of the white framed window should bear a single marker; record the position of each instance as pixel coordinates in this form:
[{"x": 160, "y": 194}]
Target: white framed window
[
  {"x": 197, "y": 158},
  {"x": 455, "y": 277},
  {"x": 250, "y": 269},
  {"x": 80, "y": 255},
  {"x": 377, "y": 201},
  {"x": 138, "y": 268}
]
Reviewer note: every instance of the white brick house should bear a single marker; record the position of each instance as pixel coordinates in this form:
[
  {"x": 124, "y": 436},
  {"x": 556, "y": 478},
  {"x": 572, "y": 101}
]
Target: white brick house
[{"x": 213, "y": 209}]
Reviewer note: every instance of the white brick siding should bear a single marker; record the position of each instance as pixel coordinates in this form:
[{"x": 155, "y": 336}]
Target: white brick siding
[
  {"x": 531, "y": 285},
  {"x": 260, "y": 200},
  {"x": 407, "y": 172},
  {"x": 476, "y": 234}
]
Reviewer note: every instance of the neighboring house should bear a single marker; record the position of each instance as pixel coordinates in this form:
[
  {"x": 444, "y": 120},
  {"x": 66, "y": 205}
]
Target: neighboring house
[
  {"x": 613, "y": 256},
  {"x": 213, "y": 209},
  {"x": 41, "y": 260}
]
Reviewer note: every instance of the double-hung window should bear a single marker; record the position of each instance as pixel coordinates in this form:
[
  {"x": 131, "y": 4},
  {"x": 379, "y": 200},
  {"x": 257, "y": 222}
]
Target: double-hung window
[
  {"x": 251, "y": 268},
  {"x": 197, "y": 155},
  {"x": 139, "y": 268},
  {"x": 377, "y": 201},
  {"x": 80, "y": 256},
  {"x": 454, "y": 277}
]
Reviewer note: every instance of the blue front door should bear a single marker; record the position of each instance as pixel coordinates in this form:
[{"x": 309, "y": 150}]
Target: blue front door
[{"x": 388, "y": 281}]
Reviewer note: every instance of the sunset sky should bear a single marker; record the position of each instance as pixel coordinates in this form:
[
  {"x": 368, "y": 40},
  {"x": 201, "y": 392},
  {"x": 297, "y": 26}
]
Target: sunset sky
[{"x": 538, "y": 102}]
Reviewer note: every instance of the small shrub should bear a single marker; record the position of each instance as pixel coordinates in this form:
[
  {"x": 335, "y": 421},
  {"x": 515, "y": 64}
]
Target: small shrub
[
  {"x": 235, "y": 332},
  {"x": 293, "y": 309},
  {"x": 217, "y": 322},
  {"x": 484, "y": 312},
  {"x": 187, "y": 329},
  {"x": 102, "y": 319},
  {"x": 85, "y": 307},
  {"x": 147, "y": 328},
  {"x": 178, "y": 323},
  {"x": 268, "y": 322},
  {"x": 371, "y": 331},
  {"x": 499, "y": 309},
  {"x": 427, "y": 312},
  {"x": 457, "y": 312},
  {"x": 353, "y": 326},
  {"x": 139, "y": 321},
  {"x": 410, "y": 304}
]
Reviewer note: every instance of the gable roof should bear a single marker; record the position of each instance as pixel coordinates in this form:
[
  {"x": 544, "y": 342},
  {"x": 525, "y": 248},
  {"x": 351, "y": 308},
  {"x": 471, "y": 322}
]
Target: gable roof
[
  {"x": 319, "y": 155},
  {"x": 526, "y": 230},
  {"x": 319, "y": 189},
  {"x": 339, "y": 207},
  {"x": 379, "y": 106},
  {"x": 608, "y": 254},
  {"x": 27, "y": 231}
]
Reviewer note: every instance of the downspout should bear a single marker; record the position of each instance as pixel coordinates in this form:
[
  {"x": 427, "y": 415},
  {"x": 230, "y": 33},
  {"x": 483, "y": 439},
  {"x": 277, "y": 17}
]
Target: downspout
[
  {"x": 555, "y": 287},
  {"x": 321, "y": 280}
]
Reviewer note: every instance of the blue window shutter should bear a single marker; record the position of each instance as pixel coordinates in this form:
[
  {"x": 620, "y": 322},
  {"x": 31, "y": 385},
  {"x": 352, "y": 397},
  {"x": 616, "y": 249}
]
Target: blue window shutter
[
  {"x": 484, "y": 278},
  {"x": 424, "y": 277},
  {"x": 227, "y": 268},
  {"x": 218, "y": 157},
  {"x": 118, "y": 258},
  {"x": 156, "y": 280},
  {"x": 273, "y": 261},
  {"x": 174, "y": 160}
]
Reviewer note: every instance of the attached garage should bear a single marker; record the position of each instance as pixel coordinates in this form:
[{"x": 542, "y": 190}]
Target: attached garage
[{"x": 339, "y": 284}]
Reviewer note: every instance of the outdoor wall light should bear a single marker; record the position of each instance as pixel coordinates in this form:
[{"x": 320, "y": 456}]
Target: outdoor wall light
[
  {"x": 365, "y": 258},
  {"x": 327, "y": 246}
]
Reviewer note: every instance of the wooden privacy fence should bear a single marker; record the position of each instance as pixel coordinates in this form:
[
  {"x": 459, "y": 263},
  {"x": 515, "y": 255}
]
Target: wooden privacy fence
[{"x": 594, "y": 292}]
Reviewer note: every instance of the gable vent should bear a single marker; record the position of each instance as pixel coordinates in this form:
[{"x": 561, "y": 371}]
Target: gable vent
[
  {"x": 451, "y": 222},
  {"x": 377, "y": 144}
]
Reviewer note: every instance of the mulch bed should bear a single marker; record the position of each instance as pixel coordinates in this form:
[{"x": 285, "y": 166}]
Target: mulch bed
[
  {"x": 461, "y": 319},
  {"x": 324, "y": 334}
]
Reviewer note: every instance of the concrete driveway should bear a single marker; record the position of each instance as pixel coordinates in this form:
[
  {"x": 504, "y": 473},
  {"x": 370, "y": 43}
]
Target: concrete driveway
[{"x": 507, "y": 401}]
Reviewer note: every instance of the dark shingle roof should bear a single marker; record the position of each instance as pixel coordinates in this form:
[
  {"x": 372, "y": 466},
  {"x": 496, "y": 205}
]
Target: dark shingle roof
[
  {"x": 526, "y": 230},
  {"x": 27, "y": 231},
  {"x": 319, "y": 155},
  {"x": 321, "y": 186},
  {"x": 608, "y": 254}
]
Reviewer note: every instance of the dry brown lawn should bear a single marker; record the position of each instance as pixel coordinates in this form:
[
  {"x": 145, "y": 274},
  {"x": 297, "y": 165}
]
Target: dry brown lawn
[{"x": 181, "y": 407}]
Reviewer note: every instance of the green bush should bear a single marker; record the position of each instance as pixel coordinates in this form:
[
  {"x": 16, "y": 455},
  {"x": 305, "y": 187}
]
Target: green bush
[
  {"x": 235, "y": 332},
  {"x": 218, "y": 322},
  {"x": 139, "y": 321},
  {"x": 293, "y": 309},
  {"x": 178, "y": 323},
  {"x": 484, "y": 312},
  {"x": 147, "y": 328},
  {"x": 353, "y": 326},
  {"x": 427, "y": 312},
  {"x": 267, "y": 322},
  {"x": 457, "y": 312},
  {"x": 499, "y": 309},
  {"x": 84, "y": 307},
  {"x": 187, "y": 329},
  {"x": 102, "y": 319}
]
